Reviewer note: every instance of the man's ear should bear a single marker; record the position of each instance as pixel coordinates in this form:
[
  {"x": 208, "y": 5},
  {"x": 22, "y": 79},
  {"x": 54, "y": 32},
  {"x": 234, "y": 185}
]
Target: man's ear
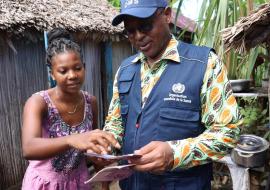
[{"x": 168, "y": 14}]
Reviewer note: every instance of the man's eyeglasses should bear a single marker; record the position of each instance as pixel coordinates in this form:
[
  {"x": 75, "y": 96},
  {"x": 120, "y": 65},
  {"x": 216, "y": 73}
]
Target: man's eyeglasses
[{"x": 146, "y": 26}]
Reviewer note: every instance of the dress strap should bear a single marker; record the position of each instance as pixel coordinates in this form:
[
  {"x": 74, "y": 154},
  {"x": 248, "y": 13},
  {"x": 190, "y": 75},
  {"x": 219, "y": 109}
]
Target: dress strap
[
  {"x": 87, "y": 97},
  {"x": 88, "y": 105},
  {"x": 44, "y": 94}
]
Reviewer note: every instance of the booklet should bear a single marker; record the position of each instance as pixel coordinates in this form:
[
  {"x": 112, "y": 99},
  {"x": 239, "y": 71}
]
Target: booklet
[
  {"x": 112, "y": 157},
  {"x": 112, "y": 173}
]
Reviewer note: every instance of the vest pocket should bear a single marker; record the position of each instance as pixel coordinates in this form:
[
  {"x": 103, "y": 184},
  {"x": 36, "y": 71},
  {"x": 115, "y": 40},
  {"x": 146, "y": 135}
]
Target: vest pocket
[
  {"x": 124, "y": 86},
  {"x": 123, "y": 89},
  {"x": 179, "y": 114},
  {"x": 125, "y": 82},
  {"x": 177, "y": 124}
]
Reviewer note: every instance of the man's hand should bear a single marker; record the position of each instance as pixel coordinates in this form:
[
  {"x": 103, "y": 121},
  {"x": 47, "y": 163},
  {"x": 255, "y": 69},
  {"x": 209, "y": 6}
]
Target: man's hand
[{"x": 157, "y": 157}]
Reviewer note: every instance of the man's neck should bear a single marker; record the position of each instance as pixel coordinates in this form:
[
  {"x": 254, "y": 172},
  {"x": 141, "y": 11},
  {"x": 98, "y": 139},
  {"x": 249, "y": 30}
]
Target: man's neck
[{"x": 152, "y": 61}]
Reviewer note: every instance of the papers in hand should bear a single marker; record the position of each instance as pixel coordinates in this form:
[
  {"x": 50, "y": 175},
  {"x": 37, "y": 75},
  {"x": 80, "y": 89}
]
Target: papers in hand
[
  {"x": 112, "y": 173},
  {"x": 112, "y": 157}
]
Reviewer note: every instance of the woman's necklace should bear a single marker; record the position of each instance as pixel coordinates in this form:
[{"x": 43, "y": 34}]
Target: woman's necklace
[
  {"x": 75, "y": 109},
  {"x": 75, "y": 106}
]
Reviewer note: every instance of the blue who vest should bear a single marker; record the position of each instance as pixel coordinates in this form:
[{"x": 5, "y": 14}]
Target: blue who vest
[{"x": 172, "y": 112}]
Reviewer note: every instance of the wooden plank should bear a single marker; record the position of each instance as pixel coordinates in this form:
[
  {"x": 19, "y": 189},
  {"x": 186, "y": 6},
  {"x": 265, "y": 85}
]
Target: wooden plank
[
  {"x": 121, "y": 50},
  {"x": 22, "y": 74},
  {"x": 92, "y": 58},
  {"x": 109, "y": 70}
]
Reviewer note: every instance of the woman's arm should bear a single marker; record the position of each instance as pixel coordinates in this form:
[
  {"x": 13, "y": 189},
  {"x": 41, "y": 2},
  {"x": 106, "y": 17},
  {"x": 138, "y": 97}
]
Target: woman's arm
[{"x": 35, "y": 147}]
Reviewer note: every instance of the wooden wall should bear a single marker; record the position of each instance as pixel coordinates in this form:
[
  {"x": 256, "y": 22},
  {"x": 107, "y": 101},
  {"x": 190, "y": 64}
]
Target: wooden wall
[
  {"x": 115, "y": 53},
  {"x": 21, "y": 74},
  {"x": 92, "y": 57},
  {"x": 120, "y": 51}
]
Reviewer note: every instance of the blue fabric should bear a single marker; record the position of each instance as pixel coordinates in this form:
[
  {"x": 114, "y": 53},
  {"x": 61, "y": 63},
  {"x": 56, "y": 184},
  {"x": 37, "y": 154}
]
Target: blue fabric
[
  {"x": 172, "y": 112},
  {"x": 138, "y": 8}
]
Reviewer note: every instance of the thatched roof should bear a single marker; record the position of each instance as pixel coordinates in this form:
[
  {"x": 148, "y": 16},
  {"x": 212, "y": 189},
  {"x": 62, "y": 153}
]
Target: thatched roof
[
  {"x": 89, "y": 16},
  {"x": 249, "y": 31}
]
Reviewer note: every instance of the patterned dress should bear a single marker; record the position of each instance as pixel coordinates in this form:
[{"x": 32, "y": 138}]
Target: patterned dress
[{"x": 67, "y": 170}]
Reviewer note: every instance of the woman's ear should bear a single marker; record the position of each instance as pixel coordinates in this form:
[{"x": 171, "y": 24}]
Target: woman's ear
[{"x": 51, "y": 74}]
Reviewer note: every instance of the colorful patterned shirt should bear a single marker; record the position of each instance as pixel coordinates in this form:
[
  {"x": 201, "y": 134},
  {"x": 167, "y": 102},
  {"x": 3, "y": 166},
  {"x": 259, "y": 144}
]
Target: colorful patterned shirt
[{"x": 220, "y": 113}]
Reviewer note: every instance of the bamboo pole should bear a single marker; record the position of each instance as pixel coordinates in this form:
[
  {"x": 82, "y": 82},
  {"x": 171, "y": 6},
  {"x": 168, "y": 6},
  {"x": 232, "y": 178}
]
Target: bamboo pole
[
  {"x": 269, "y": 95},
  {"x": 250, "y": 6},
  {"x": 268, "y": 51}
]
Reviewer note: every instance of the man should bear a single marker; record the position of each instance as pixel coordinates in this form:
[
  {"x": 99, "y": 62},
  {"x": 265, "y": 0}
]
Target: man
[{"x": 172, "y": 103}]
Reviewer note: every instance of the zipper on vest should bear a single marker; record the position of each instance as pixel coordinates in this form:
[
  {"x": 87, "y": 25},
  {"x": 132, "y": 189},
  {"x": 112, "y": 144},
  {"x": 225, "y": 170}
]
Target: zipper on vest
[
  {"x": 137, "y": 126},
  {"x": 135, "y": 144}
]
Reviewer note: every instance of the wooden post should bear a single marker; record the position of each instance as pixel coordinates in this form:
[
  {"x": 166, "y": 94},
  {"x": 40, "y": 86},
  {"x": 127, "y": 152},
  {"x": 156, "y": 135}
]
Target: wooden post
[
  {"x": 109, "y": 75},
  {"x": 250, "y": 6},
  {"x": 269, "y": 94},
  {"x": 51, "y": 82}
]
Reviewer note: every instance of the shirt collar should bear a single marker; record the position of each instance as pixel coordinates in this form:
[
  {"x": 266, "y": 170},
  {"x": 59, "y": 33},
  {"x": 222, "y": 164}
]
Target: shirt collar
[{"x": 171, "y": 53}]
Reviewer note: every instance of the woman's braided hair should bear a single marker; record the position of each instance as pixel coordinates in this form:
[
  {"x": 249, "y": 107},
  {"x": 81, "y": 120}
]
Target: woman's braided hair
[{"x": 60, "y": 41}]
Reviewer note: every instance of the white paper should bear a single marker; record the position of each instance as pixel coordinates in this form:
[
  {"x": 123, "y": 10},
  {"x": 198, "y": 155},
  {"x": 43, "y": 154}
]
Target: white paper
[
  {"x": 112, "y": 157},
  {"x": 112, "y": 173}
]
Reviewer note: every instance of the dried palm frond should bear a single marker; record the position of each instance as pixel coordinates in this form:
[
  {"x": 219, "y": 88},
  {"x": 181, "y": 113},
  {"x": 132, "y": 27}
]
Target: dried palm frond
[
  {"x": 249, "y": 31},
  {"x": 75, "y": 15}
]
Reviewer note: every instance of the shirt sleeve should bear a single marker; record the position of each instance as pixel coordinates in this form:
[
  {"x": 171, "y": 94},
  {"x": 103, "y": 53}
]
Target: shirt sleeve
[
  {"x": 113, "y": 122},
  {"x": 220, "y": 115}
]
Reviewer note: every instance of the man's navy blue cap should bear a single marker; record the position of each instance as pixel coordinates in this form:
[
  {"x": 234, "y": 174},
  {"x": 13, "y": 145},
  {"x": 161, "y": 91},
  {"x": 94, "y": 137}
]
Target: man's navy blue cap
[{"x": 138, "y": 8}]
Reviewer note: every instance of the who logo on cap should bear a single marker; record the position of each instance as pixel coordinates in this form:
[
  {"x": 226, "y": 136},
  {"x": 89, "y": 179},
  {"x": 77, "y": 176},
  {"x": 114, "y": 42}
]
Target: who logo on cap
[
  {"x": 138, "y": 8},
  {"x": 130, "y": 2}
]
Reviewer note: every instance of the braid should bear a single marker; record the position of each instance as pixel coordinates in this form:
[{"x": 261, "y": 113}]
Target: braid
[{"x": 60, "y": 42}]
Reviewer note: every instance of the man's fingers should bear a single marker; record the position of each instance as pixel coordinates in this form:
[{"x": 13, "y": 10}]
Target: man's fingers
[
  {"x": 145, "y": 159},
  {"x": 146, "y": 149},
  {"x": 156, "y": 158},
  {"x": 145, "y": 167}
]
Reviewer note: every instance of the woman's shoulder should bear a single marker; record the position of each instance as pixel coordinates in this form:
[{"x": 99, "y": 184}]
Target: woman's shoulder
[
  {"x": 37, "y": 101},
  {"x": 41, "y": 93}
]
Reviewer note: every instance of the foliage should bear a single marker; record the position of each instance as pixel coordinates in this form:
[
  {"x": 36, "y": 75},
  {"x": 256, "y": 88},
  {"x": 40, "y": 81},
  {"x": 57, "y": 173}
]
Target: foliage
[
  {"x": 115, "y": 3},
  {"x": 216, "y": 15},
  {"x": 254, "y": 114}
]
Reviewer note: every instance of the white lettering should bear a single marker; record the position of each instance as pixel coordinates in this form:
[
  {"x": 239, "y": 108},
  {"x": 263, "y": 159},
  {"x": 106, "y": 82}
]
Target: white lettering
[
  {"x": 131, "y": 2},
  {"x": 178, "y": 98},
  {"x": 177, "y": 95}
]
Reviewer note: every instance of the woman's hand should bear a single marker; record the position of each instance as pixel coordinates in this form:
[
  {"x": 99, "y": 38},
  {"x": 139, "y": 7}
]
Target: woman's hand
[{"x": 98, "y": 141}]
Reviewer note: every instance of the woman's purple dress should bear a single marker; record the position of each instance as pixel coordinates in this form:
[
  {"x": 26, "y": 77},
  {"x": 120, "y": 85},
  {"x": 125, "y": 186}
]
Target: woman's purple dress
[{"x": 68, "y": 170}]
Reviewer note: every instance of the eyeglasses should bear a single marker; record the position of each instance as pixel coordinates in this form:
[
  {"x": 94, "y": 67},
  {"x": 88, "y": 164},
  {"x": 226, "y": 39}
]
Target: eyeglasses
[
  {"x": 143, "y": 28},
  {"x": 146, "y": 26}
]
